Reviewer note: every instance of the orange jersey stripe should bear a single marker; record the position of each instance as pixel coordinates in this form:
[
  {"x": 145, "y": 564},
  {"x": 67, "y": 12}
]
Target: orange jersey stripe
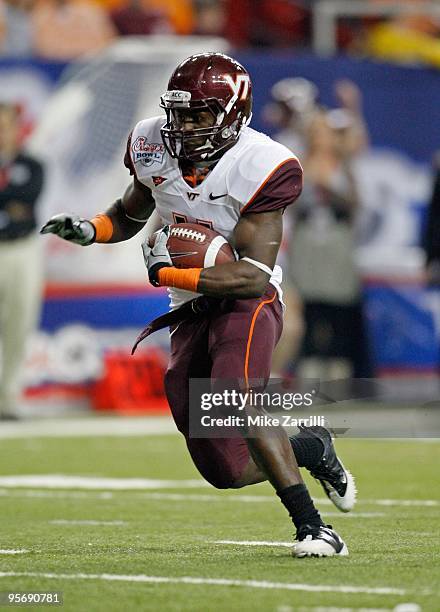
[{"x": 251, "y": 333}]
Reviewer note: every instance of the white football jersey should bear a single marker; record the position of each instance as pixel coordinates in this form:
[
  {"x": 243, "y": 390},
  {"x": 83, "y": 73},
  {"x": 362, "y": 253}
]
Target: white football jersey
[{"x": 222, "y": 196}]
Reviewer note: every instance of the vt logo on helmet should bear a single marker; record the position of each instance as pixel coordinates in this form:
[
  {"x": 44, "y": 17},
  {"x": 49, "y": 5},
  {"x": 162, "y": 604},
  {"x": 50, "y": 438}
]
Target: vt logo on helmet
[{"x": 208, "y": 101}]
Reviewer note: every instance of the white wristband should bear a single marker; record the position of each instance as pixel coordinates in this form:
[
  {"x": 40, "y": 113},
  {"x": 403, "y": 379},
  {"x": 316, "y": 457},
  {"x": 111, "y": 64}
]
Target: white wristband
[{"x": 258, "y": 264}]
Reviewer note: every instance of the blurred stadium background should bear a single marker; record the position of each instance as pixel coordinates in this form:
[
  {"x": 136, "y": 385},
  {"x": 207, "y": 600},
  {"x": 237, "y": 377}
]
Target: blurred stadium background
[
  {"x": 78, "y": 110},
  {"x": 83, "y": 74}
]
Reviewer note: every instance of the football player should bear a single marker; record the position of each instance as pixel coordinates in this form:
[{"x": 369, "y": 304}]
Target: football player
[{"x": 201, "y": 163}]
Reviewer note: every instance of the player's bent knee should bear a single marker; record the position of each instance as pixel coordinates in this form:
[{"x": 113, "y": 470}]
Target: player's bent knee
[
  {"x": 220, "y": 483},
  {"x": 220, "y": 462},
  {"x": 174, "y": 390},
  {"x": 217, "y": 477},
  {"x": 238, "y": 484}
]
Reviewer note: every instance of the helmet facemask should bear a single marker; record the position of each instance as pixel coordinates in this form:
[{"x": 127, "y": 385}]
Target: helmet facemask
[{"x": 198, "y": 144}]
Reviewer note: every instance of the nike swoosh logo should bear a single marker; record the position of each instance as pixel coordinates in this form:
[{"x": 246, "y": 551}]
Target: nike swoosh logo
[
  {"x": 213, "y": 197},
  {"x": 185, "y": 254}
]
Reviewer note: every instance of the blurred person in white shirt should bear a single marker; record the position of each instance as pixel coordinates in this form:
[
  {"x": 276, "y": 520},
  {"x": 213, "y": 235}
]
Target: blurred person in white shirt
[
  {"x": 21, "y": 182},
  {"x": 321, "y": 251}
]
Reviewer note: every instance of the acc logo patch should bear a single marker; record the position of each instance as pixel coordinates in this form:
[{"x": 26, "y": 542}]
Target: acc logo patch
[
  {"x": 147, "y": 153},
  {"x": 158, "y": 180}
]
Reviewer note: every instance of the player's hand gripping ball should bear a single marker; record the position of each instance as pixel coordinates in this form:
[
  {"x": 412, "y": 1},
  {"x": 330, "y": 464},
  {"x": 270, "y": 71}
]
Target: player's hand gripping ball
[
  {"x": 156, "y": 256},
  {"x": 185, "y": 245}
]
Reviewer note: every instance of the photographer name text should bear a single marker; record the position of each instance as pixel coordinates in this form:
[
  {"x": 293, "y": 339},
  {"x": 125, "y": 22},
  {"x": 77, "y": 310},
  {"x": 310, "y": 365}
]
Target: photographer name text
[{"x": 262, "y": 420}]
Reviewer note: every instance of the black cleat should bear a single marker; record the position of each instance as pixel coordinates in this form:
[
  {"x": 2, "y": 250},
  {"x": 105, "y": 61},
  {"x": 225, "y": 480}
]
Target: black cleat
[
  {"x": 337, "y": 482},
  {"x": 318, "y": 541}
]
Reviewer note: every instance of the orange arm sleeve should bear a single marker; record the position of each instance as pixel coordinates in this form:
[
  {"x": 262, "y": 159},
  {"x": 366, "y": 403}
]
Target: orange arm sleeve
[
  {"x": 181, "y": 279},
  {"x": 103, "y": 226}
]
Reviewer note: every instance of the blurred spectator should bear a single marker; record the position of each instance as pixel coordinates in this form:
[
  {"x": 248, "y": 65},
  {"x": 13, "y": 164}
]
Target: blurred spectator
[
  {"x": 407, "y": 37},
  {"x": 180, "y": 13},
  {"x": 294, "y": 101},
  {"x": 289, "y": 345},
  {"x": 293, "y": 107},
  {"x": 66, "y": 29},
  {"x": 210, "y": 18},
  {"x": 293, "y": 104},
  {"x": 134, "y": 19},
  {"x": 16, "y": 31},
  {"x": 2, "y": 24},
  {"x": 349, "y": 99},
  {"x": 155, "y": 16},
  {"x": 21, "y": 182},
  {"x": 418, "y": 20},
  {"x": 432, "y": 235},
  {"x": 321, "y": 252},
  {"x": 110, "y": 5},
  {"x": 267, "y": 23}
]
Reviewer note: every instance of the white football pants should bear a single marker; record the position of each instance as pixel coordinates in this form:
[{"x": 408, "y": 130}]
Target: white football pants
[{"x": 21, "y": 275}]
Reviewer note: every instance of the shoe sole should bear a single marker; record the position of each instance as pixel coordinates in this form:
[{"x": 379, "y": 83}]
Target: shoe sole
[
  {"x": 348, "y": 501},
  {"x": 302, "y": 554}
]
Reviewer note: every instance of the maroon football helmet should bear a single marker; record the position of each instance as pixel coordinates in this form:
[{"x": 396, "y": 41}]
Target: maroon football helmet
[{"x": 208, "y": 101}]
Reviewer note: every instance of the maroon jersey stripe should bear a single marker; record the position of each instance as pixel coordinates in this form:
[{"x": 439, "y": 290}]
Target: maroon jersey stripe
[
  {"x": 128, "y": 163},
  {"x": 280, "y": 189}
]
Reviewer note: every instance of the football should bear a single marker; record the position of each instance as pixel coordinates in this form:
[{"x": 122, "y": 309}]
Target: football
[{"x": 192, "y": 245}]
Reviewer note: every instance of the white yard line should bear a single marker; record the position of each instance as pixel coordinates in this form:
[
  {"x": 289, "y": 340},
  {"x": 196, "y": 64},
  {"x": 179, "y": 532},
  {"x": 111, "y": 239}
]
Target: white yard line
[
  {"x": 119, "y": 426},
  {"x": 405, "y": 502},
  {"x": 251, "y": 543},
  {"x": 89, "y": 427},
  {"x": 64, "y": 481},
  {"x": 412, "y": 607},
  {"x": 13, "y": 552},
  {"x": 86, "y": 522},
  {"x": 15, "y": 486},
  {"x": 58, "y": 494},
  {"x": 195, "y": 580},
  {"x": 354, "y": 514},
  {"x": 331, "y": 609}
]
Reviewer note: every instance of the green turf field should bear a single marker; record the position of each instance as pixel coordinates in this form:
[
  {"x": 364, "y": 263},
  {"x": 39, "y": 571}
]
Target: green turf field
[{"x": 172, "y": 531}]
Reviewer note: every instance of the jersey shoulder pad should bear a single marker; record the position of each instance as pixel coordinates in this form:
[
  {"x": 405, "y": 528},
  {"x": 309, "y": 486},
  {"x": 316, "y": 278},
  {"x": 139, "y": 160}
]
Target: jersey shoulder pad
[
  {"x": 260, "y": 158},
  {"x": 145, "y": 148}
]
